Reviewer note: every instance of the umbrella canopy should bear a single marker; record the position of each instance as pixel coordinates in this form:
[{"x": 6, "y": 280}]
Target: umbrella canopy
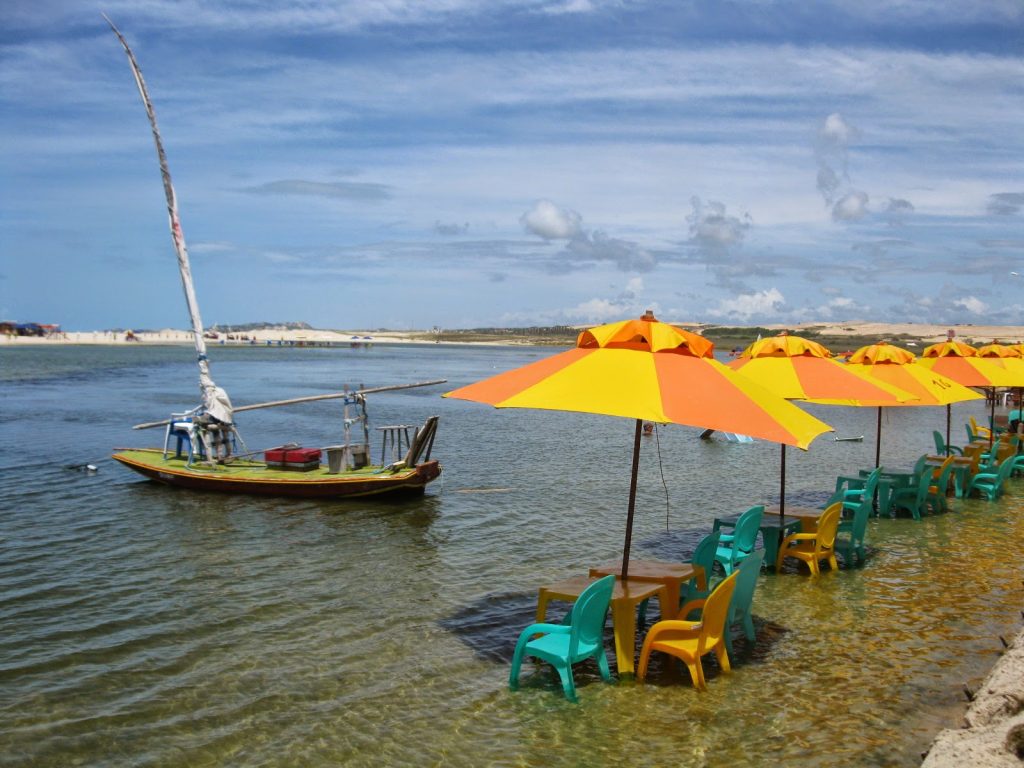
[
  {"x": 898, "y": 367},
  {"x": 960, "y": 362},
  {"x": 800, "y": 369},
  {"x": 647, "y": 370}
]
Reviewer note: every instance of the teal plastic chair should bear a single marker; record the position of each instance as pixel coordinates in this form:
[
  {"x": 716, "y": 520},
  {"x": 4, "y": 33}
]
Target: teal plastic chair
[
  {"x": 938, "y": 491},
  {"x": 850, "y": 533},
  {"x": 941, "y": 447},
  {"x": 742, "y": 598},
  {"x": 703, "y": 556},
  {"x": 913, "y": 498},
  {"x": 991, "y": 483},
  {"x": 734, "y": 547},
  {"x": 853, "y": 497},
  {"x": 562, "y": 645}
]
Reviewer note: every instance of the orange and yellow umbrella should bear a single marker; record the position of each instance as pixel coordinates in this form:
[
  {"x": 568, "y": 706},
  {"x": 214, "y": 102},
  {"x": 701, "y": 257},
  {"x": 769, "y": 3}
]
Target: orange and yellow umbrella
[
  {"x": 647, "y": 370},
  {"x": 899, "y": 368},
  {"x": 960, "y": 362},
  {"x": 800, "y": 369}
]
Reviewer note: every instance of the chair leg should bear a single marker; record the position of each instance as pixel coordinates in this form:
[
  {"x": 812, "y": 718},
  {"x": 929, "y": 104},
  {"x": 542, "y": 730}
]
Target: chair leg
[
  {"x": 723, "y": 657},
  {"x": 602, "y": 665},
  {"x": 697, "y": 674},
  {"x": 748, "y": 629},
  {"x": 568, "y": 685},
  {"x": 813, "y": 565},
  {"x": 645, "y": 656},
  {"x": 513, "y": 675}
]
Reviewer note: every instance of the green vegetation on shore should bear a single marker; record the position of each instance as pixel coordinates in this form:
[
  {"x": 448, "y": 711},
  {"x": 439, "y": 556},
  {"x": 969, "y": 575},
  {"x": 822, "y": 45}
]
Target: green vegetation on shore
[{"x": 725, "y": 338}]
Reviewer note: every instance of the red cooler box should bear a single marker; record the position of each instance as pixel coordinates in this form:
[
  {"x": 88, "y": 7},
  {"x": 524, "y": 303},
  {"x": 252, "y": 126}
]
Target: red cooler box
[{"x": 298, "y": 459}]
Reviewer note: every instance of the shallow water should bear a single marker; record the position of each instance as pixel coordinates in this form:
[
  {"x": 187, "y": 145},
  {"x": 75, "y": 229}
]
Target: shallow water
[{"x": 149, "y": 626}]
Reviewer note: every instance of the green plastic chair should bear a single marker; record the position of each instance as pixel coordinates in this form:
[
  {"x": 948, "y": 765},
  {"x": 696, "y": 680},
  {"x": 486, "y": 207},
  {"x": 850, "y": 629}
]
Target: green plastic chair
[
  {"x": 562, "y": 645},
  {"x": 853, "y": 497},
  {"x": 913, "y": 498},
  {"x": 937, "y": 492},
  {"x": 742, "y": 597},
  {"x": 851, "y": 532},
  {"x": 734, "y": 547},
  {"x": 991, "y": 483},
  {"x": 703, "y": 556},
  {"x": 941, "y": 447}
]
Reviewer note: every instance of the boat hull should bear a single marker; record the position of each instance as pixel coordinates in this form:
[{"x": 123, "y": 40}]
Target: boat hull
[{"x": 255, "y": 478}]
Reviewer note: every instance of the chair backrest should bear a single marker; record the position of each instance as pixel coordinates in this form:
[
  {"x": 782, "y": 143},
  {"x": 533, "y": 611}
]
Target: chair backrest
[
  {"x": 704, "y": 554},
  {"x": 746, "y": 580},
  {"x": 919, "y": 465},
  {"x": 1005, "y": 468},
  {"x": 827, "y": 525},
  {"x": 924, "y": 482},
  {"x": 589, "y": 613},
  {"x": 715, "y": 612},
  {"x": 940, "y": 443},
  {"x": 871, "y": 484},
  {"x": 747, "y": 528},
  {"x": 944, "y": 471},
  {"x": 860, "y": 521}
]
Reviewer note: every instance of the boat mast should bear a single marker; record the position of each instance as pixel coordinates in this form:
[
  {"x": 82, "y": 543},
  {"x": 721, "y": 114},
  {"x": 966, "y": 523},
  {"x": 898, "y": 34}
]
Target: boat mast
[{"x": 206, "y": 384}]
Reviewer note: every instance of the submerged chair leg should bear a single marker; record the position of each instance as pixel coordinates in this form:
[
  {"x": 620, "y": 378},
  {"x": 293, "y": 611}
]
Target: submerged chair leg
[
  {"x": 602, "y": 666},
  {"x": 568, "y": 685}
]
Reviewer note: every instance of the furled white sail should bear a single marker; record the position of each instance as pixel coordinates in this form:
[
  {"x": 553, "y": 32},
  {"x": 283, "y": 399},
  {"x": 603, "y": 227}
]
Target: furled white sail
[{"x": 215, "y": 400}]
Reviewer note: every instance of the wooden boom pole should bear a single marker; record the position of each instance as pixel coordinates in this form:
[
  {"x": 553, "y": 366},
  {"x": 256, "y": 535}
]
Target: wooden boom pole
[{"x": 309, "y": 399}]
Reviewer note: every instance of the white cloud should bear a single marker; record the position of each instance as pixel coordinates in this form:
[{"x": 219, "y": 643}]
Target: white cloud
[
  {"x": 851, "y": 206},
  {"x": 748, "y": 305},
  {"x": 836, "y": 132},
  {"x": 634, "y": 287},
  {"x": 972, "y": 304},
  {"x": 711, "y": 227},
  {"x": 551, "y": 222}
]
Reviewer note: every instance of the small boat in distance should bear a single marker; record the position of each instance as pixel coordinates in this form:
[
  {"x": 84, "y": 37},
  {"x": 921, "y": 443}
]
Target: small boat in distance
[{"x": 206, "y": 455}]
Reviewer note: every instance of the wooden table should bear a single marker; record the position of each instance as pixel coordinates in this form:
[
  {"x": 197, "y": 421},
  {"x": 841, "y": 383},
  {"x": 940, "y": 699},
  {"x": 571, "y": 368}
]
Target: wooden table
[
  {"x": 771, "y": 527},
  {"x": 808, "y": 516},
  {"x": 671, "y": 576},
  {"x": 626, "y": 596}
]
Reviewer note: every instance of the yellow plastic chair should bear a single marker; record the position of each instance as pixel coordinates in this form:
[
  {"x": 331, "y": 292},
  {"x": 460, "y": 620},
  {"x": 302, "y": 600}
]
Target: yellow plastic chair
[
  {"x": 814, "y": 547},
  {"x": 690, "y": 640},
  {"x": 980, "y": 432}
]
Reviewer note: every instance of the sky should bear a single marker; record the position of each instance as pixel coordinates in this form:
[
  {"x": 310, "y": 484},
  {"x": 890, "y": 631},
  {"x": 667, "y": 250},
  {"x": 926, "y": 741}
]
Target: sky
[{"x": 410, "y": 164}]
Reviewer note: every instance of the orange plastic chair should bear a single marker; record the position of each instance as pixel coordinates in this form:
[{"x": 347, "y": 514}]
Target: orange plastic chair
[
  {"x": 690, "y": 640},
  {"x": 814, "y": 547}
]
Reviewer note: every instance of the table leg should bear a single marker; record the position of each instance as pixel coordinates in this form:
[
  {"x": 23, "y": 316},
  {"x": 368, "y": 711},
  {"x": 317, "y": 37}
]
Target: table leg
[
  {"x": 668, "y": 600},
  {"x": 624, "y": 629},
  {"x": 770, "y": 537},
  {"x": 542, "y": 605}
]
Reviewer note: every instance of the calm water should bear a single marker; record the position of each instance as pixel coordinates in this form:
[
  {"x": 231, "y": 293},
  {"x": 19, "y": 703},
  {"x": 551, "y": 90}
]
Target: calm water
[{"x": 147, "y": 626}]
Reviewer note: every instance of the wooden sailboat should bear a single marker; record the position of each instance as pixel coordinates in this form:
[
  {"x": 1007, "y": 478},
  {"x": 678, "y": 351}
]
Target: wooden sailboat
[{"x": 206, "y": 456}]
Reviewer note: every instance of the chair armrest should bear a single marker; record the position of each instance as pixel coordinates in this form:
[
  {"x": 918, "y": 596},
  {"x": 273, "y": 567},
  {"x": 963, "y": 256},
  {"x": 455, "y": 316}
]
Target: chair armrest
[
  {"x": 690, "y": 605},
  {"x": 676, "y": 626},
  {"x": 545, "y": 629}
]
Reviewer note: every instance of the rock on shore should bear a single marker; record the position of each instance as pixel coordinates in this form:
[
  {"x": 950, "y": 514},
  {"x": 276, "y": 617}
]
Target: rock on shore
[{"x": 993, "y": 732}]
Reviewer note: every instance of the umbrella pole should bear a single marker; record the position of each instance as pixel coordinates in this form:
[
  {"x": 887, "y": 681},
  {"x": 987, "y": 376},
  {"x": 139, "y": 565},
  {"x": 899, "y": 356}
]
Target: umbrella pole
[
  {"x": 992, "y": 422},
  {"x": 632, "y": 501},
  {"x": 782, "y": 496},
  {"x": 949, "y": 411},
  {"x": 878, "y": 440}
]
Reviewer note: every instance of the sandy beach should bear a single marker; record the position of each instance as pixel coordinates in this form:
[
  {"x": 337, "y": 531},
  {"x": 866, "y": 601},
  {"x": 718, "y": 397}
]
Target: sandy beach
[{"x": 908, "y": 334}]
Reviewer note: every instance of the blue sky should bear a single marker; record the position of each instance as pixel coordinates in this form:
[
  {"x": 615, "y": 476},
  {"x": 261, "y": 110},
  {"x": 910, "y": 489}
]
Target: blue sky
[{"x": 460, "y": 163}]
